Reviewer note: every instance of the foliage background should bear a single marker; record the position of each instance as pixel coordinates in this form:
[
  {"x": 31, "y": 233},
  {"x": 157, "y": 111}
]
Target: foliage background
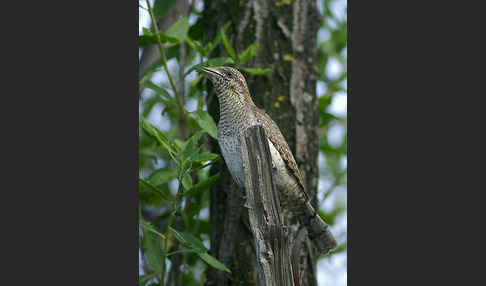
[{"x": 160, "y": 174}]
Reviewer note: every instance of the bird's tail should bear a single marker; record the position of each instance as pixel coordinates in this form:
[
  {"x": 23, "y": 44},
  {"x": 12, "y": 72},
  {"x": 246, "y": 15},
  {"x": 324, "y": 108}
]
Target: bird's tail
[{"x": 318, "y": 230}]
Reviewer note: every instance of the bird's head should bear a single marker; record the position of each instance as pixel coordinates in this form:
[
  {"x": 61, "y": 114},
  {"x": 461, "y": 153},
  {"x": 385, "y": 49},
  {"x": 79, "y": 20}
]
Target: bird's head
[{"x": 228, "y": 81}]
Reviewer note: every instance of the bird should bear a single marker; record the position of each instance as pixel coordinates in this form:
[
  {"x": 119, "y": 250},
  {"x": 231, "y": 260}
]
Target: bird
[{"x": 237, "y": 113}]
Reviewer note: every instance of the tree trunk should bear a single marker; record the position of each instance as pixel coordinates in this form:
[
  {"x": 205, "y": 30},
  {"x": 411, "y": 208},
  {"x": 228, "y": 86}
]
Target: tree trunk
[
  {"x": 286, "y": 35},
  {"x": 271, "y": 237}
]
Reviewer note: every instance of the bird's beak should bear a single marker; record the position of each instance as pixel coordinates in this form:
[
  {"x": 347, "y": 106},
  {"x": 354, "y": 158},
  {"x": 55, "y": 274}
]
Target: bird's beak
[{"x": 211, "y": 71}]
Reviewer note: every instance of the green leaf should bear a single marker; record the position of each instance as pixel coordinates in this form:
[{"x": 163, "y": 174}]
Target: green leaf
[
  {"x": 342, "y": 247},
  {"x": 189, "y": 240},
  {"x": 146, "y": 226},
  {"x": 213, "y": 262},
  {"x": 192, "y": 241},
  {"x": 179, "y": 29},
  {"x": 217, "y": 40},
  {"x": 143, "y": 279},
  {"x": 200, "y": 99},
  {"x": 145, "y": 40},
  {"x": 160, "y": 137},
  {"x": 149, "y": 103},
  {"x": 330, "y": 217},
  {"x": 187, "y": 163},
  {"x": 146, "y": 31},
  {"x": 183, "y": 251},
  {"x": 257, "y": 71},
  {"x": 162, "y": 7},
  {"x": 196, "y": 31},
  {"x": 202, "y": 185},
  {"x": 214, "y": 62},
  {"x": 196, "y": 46},
  {"x": 204, "y": 157},
  {"x": 162, "y": 176},
  {"x": 195, "y": 242},
  {"x": 189, "y": 150},
  {"x": 180, "y": 143},
  {"x": 158, "y": 89},
  {"x": 165, "y": 196},
  {"x": 170, "y": 107},
  {"x": 206, "y": 122},
  {"x": 325, "y": 118},
  {"x": 149, "y": 71},
  {"x": 178, "y": 236},
  {"x": 227, "y": 45},
  {"x": 189, "y": 216},
  {"x": 194, "y": 84},
  {"x": 187, "y": 181},
  {"x": 249, "y": 53},
  {"x": 151, "y": 245},
  {"x": 323, "y": 102},
  {"x": 208, "y": 48}
]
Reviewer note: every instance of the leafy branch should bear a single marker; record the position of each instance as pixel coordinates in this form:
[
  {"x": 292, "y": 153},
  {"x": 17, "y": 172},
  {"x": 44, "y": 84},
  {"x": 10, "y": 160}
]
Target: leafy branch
[{"x": 164, "y": 62}]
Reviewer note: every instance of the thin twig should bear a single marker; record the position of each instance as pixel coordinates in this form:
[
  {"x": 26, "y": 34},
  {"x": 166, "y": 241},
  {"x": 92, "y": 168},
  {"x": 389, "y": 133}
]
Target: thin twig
[
  {"x": 182, "y": 63},
  {"x": 189, "y": 9},
  {"x": 168, "y": 233},
  {"x": 164, "y": 62}
]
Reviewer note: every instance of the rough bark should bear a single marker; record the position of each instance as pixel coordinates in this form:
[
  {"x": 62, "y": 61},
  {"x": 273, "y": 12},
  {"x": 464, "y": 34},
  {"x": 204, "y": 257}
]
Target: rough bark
[
  {"x": 287, "y": 38},
  {"x": 270, "y": 235}
]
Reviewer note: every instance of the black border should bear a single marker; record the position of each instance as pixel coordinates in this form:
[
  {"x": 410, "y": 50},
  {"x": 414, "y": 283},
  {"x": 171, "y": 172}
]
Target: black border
[
  {"x": 413, "y": 113},
  {"x": 72, "y": 168}
]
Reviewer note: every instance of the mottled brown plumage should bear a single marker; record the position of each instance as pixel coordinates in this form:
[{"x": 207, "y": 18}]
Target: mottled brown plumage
[
  {"x": 238, "y": 112},
  {"x": 278, "y": 141}
]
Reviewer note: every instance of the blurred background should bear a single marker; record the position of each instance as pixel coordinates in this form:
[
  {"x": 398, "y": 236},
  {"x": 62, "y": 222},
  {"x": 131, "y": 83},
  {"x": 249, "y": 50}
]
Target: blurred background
[{"x": 176, "y": 128}]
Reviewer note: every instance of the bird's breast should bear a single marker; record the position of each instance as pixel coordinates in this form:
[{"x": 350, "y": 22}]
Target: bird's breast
[
  {"x": 231, "y": 151},
  {"x": 284, "y": 181}
]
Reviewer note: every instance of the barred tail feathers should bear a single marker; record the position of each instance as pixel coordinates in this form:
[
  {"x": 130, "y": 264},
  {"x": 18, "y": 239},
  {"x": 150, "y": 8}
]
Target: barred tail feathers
[{"x": 318, "y": 230}]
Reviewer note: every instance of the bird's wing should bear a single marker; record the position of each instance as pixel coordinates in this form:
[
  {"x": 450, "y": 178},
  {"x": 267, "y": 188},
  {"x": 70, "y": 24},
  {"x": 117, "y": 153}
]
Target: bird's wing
[{"x": 278, "y": 141}]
